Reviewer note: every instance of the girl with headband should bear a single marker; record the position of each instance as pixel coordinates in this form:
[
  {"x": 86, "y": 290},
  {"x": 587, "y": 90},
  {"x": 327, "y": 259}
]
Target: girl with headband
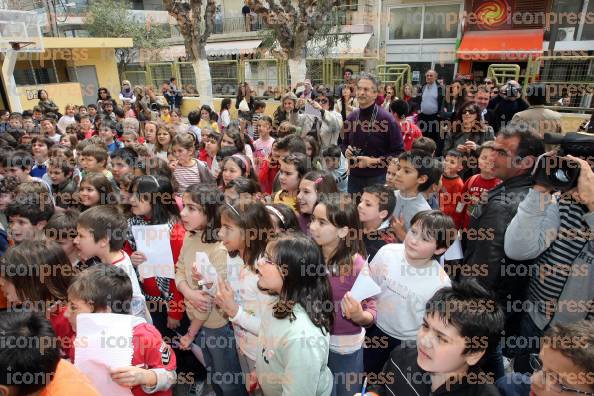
[
  {"x": 234, "y": 166},
  {"x": 245, "y": 231},
  {"x": 312, "y": 187}
]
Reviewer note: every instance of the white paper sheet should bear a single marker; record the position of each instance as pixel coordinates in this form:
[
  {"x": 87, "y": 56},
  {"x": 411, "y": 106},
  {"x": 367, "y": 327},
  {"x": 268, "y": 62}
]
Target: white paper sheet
[
  {"x": 454, "y": 252},
  {"x": 104, "y": 342},
  {"x": 364, "y": 286},
  {"x": 309, "y": 109},
  {"x": 153, "y": 241},
  {"x": 209, "y": 274}
]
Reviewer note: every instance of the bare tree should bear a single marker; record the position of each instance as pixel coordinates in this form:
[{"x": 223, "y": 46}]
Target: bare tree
[
  {"x": 295, "y": 23},
  {"x": 195, "y": 20}
]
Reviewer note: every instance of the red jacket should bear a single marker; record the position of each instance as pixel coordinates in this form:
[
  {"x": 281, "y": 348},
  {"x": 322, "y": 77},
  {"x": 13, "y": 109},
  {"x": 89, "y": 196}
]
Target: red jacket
[
  {"x": 152, "y": 352},
  {"x": 410, "y": 133},
  {"x": 63, "y": 330},
  {"x": 475, "y": 192},
  {"x": 266, "y": 176},
  {"x": 149, "y": 285},
  {"x": 449, "y": 198}
]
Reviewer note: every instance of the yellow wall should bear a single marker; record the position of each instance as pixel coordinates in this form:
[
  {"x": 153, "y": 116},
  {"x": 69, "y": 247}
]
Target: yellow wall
[
  {"x": 62, "y": 94},
  {"x": 570, "y": 121},
  {"x": 107, "y": 70}
]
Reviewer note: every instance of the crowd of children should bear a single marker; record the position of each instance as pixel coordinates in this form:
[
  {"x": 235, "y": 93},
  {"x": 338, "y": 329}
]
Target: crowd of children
[{"x": 264, "y": 204}]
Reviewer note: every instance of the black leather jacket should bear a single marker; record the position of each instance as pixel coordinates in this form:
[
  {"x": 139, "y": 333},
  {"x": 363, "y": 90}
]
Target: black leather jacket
[
  {"x": 402, "y": 376},
  {"x": 484, "y": 251}
]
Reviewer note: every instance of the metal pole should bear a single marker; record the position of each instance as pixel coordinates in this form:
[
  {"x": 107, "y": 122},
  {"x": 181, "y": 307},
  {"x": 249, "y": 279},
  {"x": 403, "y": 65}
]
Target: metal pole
[
  {"x": 14, "y": 101},
  {"x": 552, "y": 39}
]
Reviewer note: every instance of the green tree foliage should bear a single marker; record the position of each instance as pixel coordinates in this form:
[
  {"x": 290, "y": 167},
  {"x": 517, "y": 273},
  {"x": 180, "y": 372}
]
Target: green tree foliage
[{"x": 111, "y": 18}]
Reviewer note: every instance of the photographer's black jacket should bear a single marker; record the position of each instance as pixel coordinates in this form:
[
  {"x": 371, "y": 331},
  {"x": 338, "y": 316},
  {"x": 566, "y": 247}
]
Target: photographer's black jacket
[
  {"x": 484, "y": 254},
  {"x": 410, "y": 380},
  {"x": 504, "y": 110}
]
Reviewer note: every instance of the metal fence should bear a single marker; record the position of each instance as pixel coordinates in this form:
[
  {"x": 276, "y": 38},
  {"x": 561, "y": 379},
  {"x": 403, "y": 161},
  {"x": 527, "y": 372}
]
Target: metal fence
[
  {"x": 566, "y": 75},
  {"x": 225, "y": 77},
  {"x": 187, "y": 78},
  {"x": 159, "y": 72},
  {"x": 315, "y": 71},
  {"x": 136, "y": 77},
  {"x": 501, "y": 73},
  {"x": 395, "y": 74},
  {"x": 262, "y": 75}
]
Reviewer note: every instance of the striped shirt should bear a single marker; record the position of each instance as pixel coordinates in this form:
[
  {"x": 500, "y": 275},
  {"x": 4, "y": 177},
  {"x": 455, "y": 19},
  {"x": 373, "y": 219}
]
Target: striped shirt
[
  {"x": 186, "y": 176},
  {"x": 555, "y": 267}
]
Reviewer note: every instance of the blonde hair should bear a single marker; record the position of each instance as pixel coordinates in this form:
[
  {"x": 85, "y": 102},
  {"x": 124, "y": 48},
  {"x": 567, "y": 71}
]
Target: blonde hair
[{"x": 70, "y": 105}]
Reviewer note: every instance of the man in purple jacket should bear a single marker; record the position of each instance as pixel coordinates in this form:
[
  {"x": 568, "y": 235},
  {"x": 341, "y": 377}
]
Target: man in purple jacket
[{"x": 371, "y": 138}]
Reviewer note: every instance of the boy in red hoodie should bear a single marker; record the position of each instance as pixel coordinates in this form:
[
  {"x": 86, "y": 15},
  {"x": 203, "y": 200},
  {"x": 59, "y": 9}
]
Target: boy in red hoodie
[
  {"x": 477, "y": 186},
  {"x": 452, "y": 186},
  {"x": 107, "y": 289}
]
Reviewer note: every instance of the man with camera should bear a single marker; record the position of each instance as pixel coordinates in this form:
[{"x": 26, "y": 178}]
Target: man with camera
[
  {"x": 514, "y": 155},
  {"x": 554, "y": 230},
  {"x": 507, "y": 104},
  {"x": 371, "y": 138}
]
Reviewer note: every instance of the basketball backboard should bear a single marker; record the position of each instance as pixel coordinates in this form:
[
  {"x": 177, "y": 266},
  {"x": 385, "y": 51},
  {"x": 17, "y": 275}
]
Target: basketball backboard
[{"x": 20, "y": 31}]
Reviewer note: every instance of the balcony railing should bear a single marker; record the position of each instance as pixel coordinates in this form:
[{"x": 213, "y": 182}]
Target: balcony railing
[
  {"x": 238, "y": 24},
  {"x": 363, "y": 14}
]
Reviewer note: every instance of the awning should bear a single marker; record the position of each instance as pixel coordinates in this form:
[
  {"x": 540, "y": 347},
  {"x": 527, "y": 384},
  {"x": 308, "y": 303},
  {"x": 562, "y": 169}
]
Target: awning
[
  {"x": 232, "y": 47},
  {"x": 213, "y": 49},
  {"x": 354, "y": 47},
  {"x": 501, "y": 45},
  {"x": 86, "y": 42}
]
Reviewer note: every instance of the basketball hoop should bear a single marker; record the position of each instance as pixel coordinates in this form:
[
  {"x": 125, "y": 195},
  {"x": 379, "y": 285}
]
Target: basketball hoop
[
  {"x": 19, "y": 45},
  {"x": 20, "y": 32}
]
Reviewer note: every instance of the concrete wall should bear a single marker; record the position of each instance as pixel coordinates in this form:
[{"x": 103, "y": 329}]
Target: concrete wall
[{"x": 570, "y": 121}]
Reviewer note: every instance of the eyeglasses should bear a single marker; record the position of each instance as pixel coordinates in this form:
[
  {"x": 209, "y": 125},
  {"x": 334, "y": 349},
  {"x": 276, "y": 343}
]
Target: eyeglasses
[
  {"x": 552, "y": 379},
  {"x": 265, "y": 259},
  {"x": 321, "y": 101},
  {"x": 469, "y": 111}
]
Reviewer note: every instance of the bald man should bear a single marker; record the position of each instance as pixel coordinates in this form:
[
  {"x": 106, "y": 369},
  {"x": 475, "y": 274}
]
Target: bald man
[{"x": 431, "y": 106}]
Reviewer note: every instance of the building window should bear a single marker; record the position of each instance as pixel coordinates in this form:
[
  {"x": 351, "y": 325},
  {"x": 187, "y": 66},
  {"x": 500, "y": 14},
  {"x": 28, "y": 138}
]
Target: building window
[
  {"x": 405, "y": 23},
  {"x": 33, "y": 72},
  {"x": 137, "y": 5},
  {"x": 424, "y": 22},
  {"x": 568, "y": 27},
  {"x": 588, "y": 28},
  {"x": 351, "y": 5}
]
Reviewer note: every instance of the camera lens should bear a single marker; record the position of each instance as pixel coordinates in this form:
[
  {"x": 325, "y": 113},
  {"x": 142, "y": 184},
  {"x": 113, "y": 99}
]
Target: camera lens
[{"x": 561, "y": 175}]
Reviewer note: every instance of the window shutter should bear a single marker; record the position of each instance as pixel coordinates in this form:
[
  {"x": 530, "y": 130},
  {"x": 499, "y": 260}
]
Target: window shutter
[{"x": 536, "y": 9}]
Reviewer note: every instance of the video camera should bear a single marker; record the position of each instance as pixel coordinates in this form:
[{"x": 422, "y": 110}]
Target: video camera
[{"x": 557, "y": 171}]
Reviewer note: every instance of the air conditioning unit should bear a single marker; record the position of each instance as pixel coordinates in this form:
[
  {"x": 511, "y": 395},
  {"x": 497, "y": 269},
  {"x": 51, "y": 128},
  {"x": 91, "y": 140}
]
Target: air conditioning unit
[{"x": 566, "y": 34}]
